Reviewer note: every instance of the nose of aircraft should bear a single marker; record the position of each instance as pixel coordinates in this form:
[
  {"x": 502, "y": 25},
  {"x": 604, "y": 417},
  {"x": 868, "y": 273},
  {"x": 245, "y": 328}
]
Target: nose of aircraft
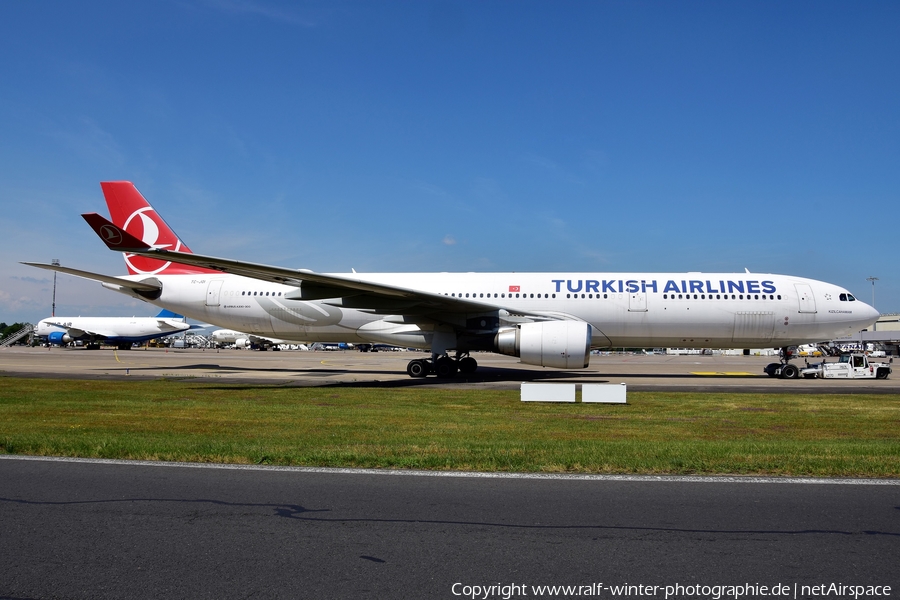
[{"x": 869, "y": 314}]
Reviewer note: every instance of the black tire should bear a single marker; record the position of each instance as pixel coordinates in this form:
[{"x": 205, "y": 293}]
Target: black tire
[
  {"x": 445, "y": 367},
  {"x": 790, "y": 372},
  {"x": 417, "y": 368},
  {"x": 882, "y": 374},
  {"x": 772, "y": 369},
  {"x": 467, "y": 365}
]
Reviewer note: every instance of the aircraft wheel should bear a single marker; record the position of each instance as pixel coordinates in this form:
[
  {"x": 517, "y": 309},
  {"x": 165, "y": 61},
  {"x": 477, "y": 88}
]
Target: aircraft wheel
[
  {"x": 417, "y": 368},
  {"x": 790, "y": 372},
  {"x": 445, "y": 367},
  {"x": 467, "y": 365},
  {"x": 771, "y": 369}
]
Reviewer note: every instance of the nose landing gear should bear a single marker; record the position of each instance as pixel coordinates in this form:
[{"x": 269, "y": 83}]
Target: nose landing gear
[{"x": 784, "y": 369}]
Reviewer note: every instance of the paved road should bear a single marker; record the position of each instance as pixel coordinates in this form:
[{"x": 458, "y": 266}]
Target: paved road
[
  {"x": 388, "y": 369},
  {"x": 83, "y": 530}
]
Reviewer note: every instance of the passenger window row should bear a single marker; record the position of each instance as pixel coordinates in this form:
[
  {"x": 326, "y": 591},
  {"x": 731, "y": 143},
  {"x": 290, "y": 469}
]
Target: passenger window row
[
  {"x": 843, "y": 297},
  {"x": 477, "y": 295},
  {"x": 721, "y": 297},
  {"x": 606, "y": 296}
]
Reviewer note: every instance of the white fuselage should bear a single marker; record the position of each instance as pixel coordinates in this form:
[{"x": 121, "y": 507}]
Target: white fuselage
[
  {"x": 229, "y": 336},
  {"x": 698, "y": 310},
  {"x": 111, "y": 329}
]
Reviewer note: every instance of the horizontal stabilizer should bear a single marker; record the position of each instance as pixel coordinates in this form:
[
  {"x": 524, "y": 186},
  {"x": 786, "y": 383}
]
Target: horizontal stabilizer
[
  {"x": 138, "y": 286},
  {"x": 113, "y": 236}
]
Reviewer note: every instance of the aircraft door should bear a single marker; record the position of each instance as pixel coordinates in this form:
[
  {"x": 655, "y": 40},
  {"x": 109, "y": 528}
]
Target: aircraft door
[
  {"x": 806, "y": 298},
  {"x": 213, "y": 291}
]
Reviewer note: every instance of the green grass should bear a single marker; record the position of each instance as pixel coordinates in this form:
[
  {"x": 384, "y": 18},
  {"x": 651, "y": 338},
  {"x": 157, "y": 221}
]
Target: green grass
[{"x": 483, "y": 430}]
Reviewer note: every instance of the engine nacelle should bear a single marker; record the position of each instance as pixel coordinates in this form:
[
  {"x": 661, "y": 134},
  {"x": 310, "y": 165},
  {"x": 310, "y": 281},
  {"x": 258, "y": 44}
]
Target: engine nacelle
[
  {"x": 557, "y": 344},
  {"x": 60, "y": 338}
]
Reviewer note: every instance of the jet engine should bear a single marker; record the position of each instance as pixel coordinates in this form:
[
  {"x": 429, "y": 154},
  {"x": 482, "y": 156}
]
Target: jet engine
[
  {"x": 59, "y": 338},
  {"x": 558, "y": 344}
]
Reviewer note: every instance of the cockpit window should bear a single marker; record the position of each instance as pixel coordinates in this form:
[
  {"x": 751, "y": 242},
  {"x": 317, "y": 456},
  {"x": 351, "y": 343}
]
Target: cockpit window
[
  {"x": 851, "y": 298},
  {"x": 843, "y": 297}
]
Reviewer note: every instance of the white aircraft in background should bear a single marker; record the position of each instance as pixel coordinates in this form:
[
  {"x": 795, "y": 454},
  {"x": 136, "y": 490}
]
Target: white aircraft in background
[
  {"x": 239, "y": 339},
  {"x": 117, "y": 331},
  {"x": 549, "y": 319}
]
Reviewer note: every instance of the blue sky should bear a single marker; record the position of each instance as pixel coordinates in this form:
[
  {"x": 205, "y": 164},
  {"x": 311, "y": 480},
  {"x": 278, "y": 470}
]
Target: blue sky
[{"x": 455, "y": 136}]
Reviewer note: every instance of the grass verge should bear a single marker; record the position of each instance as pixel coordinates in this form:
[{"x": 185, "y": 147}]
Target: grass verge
[{"x": 481, "y": 430}]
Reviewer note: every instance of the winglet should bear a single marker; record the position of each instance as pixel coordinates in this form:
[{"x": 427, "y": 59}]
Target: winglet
[{"x": 114, "y": 237}]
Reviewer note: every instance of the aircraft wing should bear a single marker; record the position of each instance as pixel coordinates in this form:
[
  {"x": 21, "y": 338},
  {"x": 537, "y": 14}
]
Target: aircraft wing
[
  {"x": 346, "y": 292},
  {"x": 125, "y": 283},
  {"x": 258, "y": 339},
  {"x": 76, "y": 333}
]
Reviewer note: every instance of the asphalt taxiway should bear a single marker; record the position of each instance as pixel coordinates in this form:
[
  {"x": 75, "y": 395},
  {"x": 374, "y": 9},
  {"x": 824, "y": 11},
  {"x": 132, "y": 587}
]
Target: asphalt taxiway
[
  {"x": 147, "y": 530},
  {"x": 388, "y": 369}
]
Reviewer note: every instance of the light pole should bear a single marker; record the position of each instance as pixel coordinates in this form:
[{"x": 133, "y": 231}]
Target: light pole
[
  {"x": 54, "y": 262},
  {"x": 873, "y": 280}
]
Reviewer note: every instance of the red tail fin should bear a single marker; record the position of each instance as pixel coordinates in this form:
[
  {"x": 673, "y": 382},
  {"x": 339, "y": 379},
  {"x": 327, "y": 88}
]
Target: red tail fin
[{"x": 130, "y": 211}]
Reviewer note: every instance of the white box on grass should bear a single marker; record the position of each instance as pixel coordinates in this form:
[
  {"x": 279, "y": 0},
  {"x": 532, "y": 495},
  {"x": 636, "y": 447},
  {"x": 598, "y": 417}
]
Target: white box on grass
[
  {"x": 604, "y": 392},
  {"x": 548, "y": 392}
]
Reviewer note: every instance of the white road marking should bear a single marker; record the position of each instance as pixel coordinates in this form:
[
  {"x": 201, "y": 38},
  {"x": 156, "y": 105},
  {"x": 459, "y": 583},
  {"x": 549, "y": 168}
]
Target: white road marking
[{"x": 470, "y": 474}]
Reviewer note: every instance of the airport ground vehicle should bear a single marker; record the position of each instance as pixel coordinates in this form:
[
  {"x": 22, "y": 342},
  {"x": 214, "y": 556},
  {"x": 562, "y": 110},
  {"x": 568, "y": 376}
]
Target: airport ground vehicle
[{"x": 850, "y": 366}]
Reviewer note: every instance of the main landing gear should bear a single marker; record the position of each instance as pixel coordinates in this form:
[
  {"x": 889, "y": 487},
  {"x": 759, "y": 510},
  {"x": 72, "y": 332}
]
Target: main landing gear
[{"x": 444, "y": 366}]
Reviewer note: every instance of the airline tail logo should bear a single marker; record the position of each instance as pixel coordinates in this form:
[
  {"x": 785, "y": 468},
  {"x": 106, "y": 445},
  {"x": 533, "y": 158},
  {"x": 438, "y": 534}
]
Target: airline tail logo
[
  {"x": 111, "y": 235},
  {"x": 130, "y": 211},
  {"x": 144, "y": 224}
]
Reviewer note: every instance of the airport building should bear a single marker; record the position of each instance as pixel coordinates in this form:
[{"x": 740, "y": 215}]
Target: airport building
[{"x": 884, "y": 335}]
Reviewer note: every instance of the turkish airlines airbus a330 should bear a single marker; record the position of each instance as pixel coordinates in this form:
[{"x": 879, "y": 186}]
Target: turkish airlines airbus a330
[{"x": 548, "y": 319}]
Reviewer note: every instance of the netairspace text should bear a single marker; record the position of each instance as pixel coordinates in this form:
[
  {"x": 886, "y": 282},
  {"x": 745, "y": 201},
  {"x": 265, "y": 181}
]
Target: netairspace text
[{"x": 506, "y": 591}]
